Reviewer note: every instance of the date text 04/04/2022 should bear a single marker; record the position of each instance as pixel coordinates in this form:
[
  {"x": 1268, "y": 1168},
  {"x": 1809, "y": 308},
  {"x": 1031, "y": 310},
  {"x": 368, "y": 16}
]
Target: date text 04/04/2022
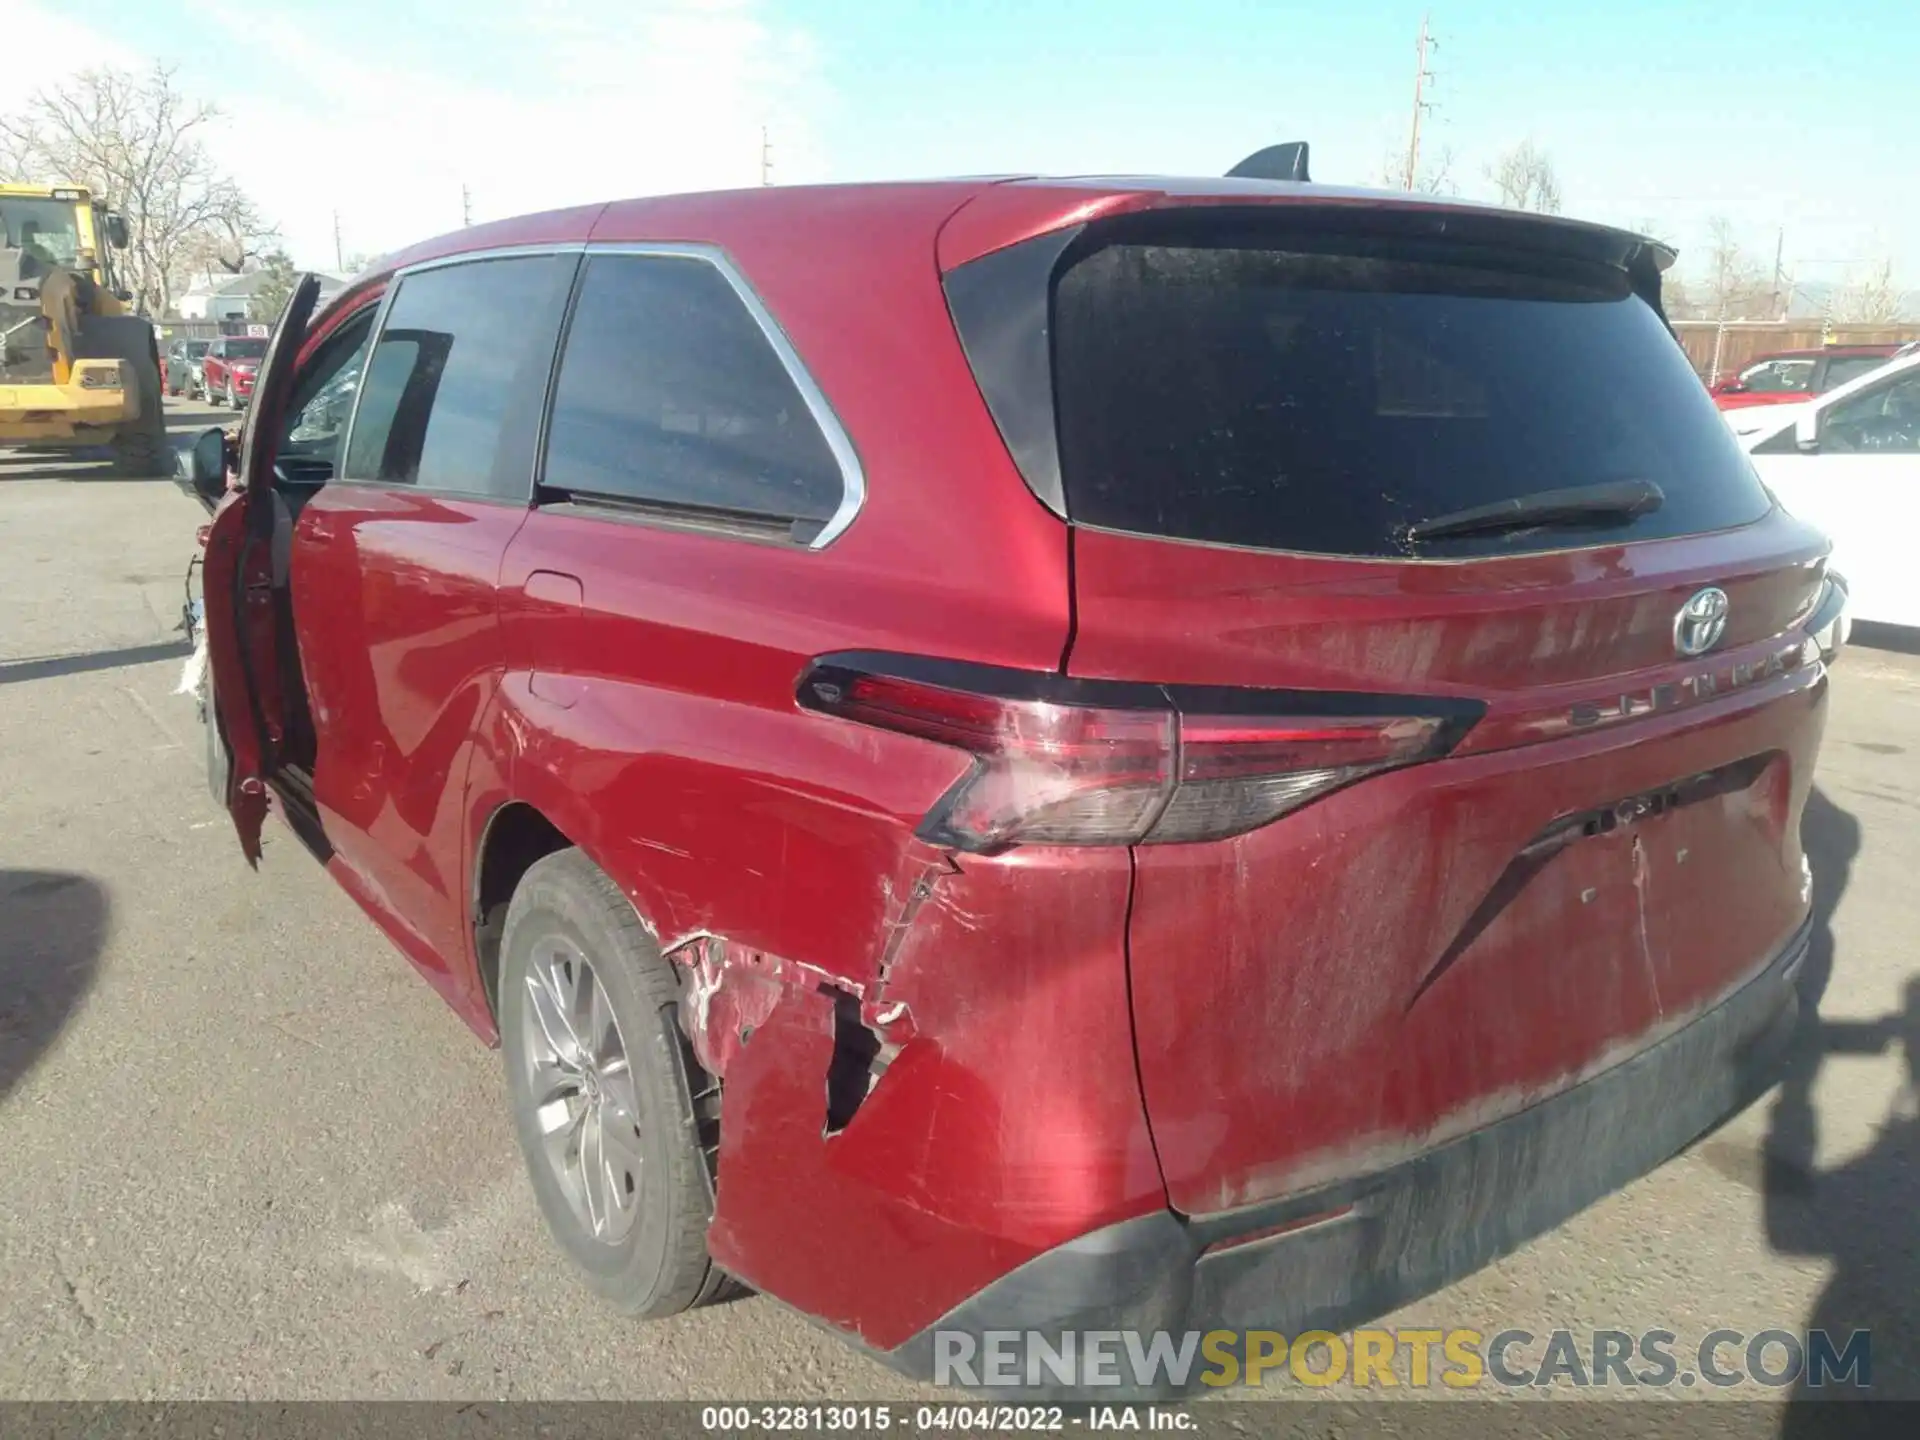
[{"x": 867, "y": 1419}]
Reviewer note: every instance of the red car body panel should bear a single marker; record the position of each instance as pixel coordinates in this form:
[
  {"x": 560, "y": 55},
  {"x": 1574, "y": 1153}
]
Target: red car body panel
[
  {"x": 400, "y": 642},
  {"x": 1727, "y": 397},
  {"x": 1332, "y": 1038},
  {"x": 1252, "y": 1094},
  {"x": 1069, "y": 1043},
  {"x": 218, "y": 370}
]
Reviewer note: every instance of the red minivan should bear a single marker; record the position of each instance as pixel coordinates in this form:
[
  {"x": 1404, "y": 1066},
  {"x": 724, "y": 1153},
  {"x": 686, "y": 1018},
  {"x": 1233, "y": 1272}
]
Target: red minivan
[{"x": 1023, "y": 754}]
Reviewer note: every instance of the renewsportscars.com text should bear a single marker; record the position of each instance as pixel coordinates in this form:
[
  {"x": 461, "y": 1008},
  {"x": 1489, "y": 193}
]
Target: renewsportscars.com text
[{"x": 1456, "y": 1359}]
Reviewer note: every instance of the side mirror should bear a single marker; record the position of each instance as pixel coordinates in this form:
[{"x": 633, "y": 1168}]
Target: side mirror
[
  {"x": 117, "y": 230},
  {"x": 1806, "y": 432},
  {"x": 1730, "y": 387},
  {"x": 204, "y": 466}
]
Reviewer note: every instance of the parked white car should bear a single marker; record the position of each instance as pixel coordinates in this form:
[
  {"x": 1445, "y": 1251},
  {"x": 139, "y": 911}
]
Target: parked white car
[
  {"x": 1748, "y": 420},
  {"x": 1849, "y": 462}
]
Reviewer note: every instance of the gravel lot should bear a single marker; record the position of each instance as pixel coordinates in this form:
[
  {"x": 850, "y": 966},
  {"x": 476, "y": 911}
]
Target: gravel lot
[{"x": 245, "y": 1153}]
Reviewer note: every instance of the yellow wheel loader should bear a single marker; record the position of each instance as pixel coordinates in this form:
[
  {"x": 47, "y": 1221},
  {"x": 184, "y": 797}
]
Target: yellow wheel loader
[{"x": 77, "y": 367}]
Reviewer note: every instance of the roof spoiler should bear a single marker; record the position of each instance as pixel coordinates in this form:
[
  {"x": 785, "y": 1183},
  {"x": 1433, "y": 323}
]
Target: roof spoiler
[{"x": 1276, "y": 162}]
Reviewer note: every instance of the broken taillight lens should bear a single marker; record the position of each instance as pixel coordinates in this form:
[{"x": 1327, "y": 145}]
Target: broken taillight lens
[{"x": 1054, "y": 771}]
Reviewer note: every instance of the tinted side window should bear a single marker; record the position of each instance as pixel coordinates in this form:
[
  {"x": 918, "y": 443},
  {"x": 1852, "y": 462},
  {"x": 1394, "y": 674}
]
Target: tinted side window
[
  {"x": 1779, "y": 376},
  {"x": 670, "y": 393},
  {"x": 1885, "y": 419},
  {"x": 322, "y": 402},
  {"x": 453, "y": 390},
  {"x": 1842, "y": 368}
]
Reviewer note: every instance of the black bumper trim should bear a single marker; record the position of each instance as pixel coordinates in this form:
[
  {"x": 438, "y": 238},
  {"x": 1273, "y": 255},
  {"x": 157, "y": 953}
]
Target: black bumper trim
[{"x": 1411, "y": 1229}]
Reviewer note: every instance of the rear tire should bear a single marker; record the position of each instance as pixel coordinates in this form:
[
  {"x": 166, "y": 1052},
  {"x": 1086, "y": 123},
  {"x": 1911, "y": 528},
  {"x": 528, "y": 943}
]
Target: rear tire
[
  {"x": 602, "y": 1085},
  {"x": 218, "y": 764},
  {"x": 141, "y": 450}
]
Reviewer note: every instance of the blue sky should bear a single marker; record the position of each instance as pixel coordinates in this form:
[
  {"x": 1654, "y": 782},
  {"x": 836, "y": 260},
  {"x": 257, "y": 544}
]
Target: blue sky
[{"x": 1777, "y": 116}]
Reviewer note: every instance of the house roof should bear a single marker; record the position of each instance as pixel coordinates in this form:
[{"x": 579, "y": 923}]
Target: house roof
[
  {"x": 244, "y": 287},
  {"x": 247, "y": 285}
]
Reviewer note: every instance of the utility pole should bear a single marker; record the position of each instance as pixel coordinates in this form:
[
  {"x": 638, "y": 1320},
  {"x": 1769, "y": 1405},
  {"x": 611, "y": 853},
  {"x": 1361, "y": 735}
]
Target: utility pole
[
  {"x": 1421, "y": 75},
  {"x": 466, "y": 206},
  {"x": 339, "y": 251},
  {"x": 766, "y": 156},
  {"x": 1779, "y": 252}
]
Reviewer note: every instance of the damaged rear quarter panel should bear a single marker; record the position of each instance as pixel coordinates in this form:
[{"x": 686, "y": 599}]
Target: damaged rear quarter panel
[
  {"x": 804, "y": 853},
  {"x": 1008, "y": 1122}
]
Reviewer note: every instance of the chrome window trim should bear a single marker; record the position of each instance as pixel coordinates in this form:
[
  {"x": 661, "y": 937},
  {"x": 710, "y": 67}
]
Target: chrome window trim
[
  {"x": 441, "y": 262},
  {"x": 360, "y": 386},
  {"x": 853, "y": 480},
  {"x": 497, "y": 252}
]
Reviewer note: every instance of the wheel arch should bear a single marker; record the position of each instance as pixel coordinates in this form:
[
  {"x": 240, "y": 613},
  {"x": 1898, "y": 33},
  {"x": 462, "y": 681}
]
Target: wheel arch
[{"x": 517, "y": 834}]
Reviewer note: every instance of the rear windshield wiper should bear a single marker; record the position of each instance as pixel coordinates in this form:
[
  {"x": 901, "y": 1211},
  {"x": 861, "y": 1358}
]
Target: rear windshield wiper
[{"x": 1580, "y": 504}]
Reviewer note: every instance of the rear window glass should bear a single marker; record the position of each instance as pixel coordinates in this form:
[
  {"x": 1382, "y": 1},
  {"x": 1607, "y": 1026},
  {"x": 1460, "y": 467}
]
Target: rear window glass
[
  {"x": 246, "y": 349},
  {"x": 1323, "y": 393}
]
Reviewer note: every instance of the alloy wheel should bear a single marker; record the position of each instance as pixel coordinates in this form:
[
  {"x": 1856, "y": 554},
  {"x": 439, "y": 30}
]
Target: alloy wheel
[{"x": 580, "y": 1084}]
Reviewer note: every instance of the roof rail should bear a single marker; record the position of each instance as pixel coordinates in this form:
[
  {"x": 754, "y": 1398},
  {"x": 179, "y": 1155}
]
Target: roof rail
[{"x": 1276, "y": 162}]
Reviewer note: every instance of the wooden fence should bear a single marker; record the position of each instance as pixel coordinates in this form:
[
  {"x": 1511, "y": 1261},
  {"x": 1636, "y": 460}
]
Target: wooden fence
[{"x": 1720, "y": 349}]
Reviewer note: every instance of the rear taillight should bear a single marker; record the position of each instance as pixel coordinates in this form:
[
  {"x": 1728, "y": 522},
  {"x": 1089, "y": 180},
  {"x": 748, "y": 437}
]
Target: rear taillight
[{"x": 1059, "y": 762}]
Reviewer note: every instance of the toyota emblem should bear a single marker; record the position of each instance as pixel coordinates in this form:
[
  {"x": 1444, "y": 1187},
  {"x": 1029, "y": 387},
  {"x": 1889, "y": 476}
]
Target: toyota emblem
[{"x": 1701, "y": 621}]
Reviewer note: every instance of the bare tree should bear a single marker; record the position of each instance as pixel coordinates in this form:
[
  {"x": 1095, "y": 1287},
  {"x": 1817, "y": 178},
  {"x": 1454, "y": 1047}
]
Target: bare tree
[
  {"x": 1433, "y": 177},
  {"x": 137, "y": 142},
  {"x": 13, "y": 159},
  {"x": 236, "y": 237},
  {"x": 1872, "y": 298},
  {"x": 1524, "y": 179},
  {"x": 1677, "y": 297},
  {"x": 1734, "y": 285},
  {"x": 1725, "y": 284}
]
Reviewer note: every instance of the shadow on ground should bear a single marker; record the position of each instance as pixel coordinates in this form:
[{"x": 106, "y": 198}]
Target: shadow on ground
[
  {"x": 45, "y": 667},
  {"x": 1859, "y": 1216},
  {"x": 53, "y": 926},
  {"x": 1899, "y": 638},
  {"x": 95, "y": 462}
]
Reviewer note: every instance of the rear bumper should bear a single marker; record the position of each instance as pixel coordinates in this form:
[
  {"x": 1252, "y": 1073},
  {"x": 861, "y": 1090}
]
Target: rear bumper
[{"x": 1401, "y": 1233}]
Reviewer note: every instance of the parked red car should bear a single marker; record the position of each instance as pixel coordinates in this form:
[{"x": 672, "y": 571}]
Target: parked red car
[
  {"x": 227, "y": 371},
  {"x": 1795, "y": 375},
  {"x": 1033, "y": 754}
]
